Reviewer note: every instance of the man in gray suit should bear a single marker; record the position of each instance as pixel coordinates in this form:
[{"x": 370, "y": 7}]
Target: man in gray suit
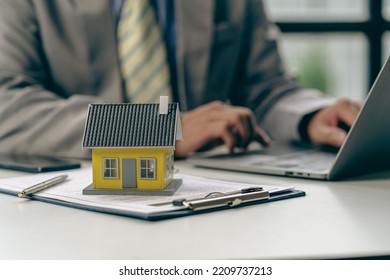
[{"x": 58, "y": 56}]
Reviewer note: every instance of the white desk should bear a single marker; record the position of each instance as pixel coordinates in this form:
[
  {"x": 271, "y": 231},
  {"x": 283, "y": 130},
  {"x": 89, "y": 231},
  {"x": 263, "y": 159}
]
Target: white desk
[{"x": 335, "y": 220}]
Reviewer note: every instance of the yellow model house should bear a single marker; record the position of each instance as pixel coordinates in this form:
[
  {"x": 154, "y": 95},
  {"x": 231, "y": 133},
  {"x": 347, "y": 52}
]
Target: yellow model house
[{"x": 132, "y": 148}]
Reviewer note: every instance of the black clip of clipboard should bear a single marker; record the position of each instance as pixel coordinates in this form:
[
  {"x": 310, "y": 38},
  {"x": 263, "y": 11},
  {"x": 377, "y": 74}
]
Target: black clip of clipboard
[{"x": 215, "y": 200}]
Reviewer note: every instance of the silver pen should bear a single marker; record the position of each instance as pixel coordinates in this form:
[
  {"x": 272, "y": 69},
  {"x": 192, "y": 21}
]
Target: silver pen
[{"x": 42, "y": 186}]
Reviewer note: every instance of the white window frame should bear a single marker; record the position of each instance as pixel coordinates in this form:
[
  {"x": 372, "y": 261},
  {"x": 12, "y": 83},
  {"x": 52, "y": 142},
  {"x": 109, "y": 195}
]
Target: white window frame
[
  {"x": 148, "y": 168},
  {"x": 112, "y": 170}
]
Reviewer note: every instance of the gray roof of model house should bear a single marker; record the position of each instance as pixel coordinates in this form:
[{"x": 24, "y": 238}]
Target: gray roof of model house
[{"x": 130, "y": 125}]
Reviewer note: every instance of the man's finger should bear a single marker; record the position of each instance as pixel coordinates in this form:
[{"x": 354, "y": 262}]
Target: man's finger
[
  {"x": 222, "y": 131},
  {"x": 262, "y": 137},
  {"x": 249, "y": 131},
  {"x": 228, "y": 137},
  {"x": 348, "y": 111},
  {"x": 330, "y": 135},
  {"x": 237, "y": 118}
]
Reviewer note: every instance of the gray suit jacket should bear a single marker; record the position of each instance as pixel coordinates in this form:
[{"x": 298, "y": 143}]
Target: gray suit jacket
[{"x": 57, "y": 56}]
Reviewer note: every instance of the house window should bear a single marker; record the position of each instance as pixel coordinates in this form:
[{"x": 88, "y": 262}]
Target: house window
[
  {"x": 110, "y": 168},
  {"x": 147, "y": 168}
]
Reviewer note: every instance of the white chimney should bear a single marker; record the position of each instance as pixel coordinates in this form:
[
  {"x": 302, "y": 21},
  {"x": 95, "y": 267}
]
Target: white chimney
[{"x": 164, "y": 105}]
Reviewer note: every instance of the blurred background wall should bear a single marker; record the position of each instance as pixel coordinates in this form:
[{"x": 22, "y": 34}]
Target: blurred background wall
[{"x": 337, "y": 46}]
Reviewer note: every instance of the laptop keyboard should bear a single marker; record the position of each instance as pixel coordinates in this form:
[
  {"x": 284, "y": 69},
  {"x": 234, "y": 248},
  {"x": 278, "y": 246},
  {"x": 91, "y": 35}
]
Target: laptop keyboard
[{"x": 309, "y": 161}]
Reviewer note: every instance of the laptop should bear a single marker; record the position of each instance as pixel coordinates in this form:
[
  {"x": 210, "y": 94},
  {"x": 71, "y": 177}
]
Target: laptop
[{"x": 366, "y": 149}]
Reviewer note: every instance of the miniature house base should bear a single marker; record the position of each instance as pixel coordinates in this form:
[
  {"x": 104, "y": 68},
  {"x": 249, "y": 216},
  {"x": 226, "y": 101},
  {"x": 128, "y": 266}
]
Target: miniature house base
[{"x": 169, "y": 190}]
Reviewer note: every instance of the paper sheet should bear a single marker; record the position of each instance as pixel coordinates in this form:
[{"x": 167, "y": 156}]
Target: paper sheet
[{"x": 71, "y": 191}]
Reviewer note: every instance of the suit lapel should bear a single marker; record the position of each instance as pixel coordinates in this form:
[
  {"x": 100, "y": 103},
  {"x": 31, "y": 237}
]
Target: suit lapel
[
  {"x": 194, "y": 20},
  {"x": 96, "y": 15},
  {"x": 101, "y": 43}
]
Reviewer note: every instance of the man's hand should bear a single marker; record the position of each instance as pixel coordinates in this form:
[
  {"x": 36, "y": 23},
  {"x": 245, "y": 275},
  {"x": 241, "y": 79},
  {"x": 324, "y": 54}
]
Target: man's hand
[
  {"x": 215, "y": 124},
  {"x": 324, "y": 128}
]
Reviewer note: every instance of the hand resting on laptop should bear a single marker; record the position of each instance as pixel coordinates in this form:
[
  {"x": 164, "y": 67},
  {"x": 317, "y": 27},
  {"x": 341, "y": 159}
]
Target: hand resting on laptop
[
  {"x": 324, "y": 126},
  {"x": 216, "y": 124}
]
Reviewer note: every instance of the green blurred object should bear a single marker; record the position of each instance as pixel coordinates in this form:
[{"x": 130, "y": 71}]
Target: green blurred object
[{"x": 313, "y": 71}]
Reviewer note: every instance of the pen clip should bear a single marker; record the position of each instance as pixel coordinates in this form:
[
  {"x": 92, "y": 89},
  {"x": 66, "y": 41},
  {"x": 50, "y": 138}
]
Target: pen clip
[{"x": 231, "y": 200}]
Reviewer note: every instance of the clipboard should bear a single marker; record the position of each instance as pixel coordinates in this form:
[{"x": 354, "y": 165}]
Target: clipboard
[
  {"x": 207, "y": 205},
  {"x": 70, "y": 194}
]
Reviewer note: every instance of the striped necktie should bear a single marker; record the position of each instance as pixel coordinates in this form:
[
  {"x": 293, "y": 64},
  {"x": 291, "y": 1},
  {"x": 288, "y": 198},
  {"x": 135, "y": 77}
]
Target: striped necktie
[{"x": 142, "y": 53}]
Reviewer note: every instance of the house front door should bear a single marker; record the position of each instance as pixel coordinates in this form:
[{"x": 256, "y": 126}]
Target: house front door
[{"x": 129, "y": 178}]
